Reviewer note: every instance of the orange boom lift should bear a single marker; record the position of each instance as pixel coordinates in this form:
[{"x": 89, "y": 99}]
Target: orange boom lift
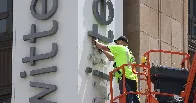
[{"x": 150, "y": 72}]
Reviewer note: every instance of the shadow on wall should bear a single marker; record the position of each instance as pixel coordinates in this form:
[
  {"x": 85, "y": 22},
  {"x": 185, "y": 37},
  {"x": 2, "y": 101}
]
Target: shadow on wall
[
  {"x": 131, "y": 29},
  {"x": 131, "y": 26},
  {"x": 85, "y": 89}
]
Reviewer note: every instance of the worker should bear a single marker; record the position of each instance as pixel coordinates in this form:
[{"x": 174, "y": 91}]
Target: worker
[{"x": 120, "y": 54}]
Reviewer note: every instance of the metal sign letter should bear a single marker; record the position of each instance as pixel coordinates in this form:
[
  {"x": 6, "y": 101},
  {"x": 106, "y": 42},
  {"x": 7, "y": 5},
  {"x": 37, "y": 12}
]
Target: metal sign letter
[
  {"x": 44, "y": 15},
  {"x": 95, "y": 33},
  {"x": 48, "y": 89},
  {"x": 43, "y": 71},
  {"x": 100, "y": 17},
  {"x": 34, "y": 57},
  {"x": 33, "y": 35}
]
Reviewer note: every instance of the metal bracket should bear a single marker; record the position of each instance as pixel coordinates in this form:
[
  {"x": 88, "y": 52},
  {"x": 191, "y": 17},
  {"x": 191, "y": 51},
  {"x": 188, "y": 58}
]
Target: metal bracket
[
  {"x": 101, "y": 75},
  {"x": 102, "y": 62},
  {"x": 95, "y": 84},
  {"x": 99, "y": 87},
  {"x": 88, "y": 70},
  {"x": 96, "y": 60},
  {"x": 99, "y": 100},
  {"x": 99, "y": 50}
]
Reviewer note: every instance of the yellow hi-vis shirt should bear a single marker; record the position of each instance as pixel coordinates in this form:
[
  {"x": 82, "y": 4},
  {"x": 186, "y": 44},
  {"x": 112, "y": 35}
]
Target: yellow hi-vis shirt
[{"x": 122, "y": 55}]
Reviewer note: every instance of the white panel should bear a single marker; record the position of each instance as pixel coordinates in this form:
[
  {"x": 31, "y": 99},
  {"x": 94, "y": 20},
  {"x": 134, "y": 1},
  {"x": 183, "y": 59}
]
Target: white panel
[
  {"x": 86, "y": 19},
  {"x": 75, "y": 19}
]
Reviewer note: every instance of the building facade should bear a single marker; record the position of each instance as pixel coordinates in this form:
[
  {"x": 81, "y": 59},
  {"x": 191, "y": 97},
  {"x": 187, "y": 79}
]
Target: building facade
[
  {"x": 149, "y": 24},
  {"x": 56, "y": 50},
  {"x": 6, "y": 38},
  {"x": 157, "y": 24}
]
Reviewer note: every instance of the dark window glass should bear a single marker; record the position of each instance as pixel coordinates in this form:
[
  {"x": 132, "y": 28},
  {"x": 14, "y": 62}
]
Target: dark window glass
[
  {"x": 194, "y": 8},
  {"x": 189, "y": 7},
  {"x": 6, "y": 22},
  {"x": 189, "y": 26},
  {"x": 193, "y": 30},
  {"x": 10, "y": 5},
  {"x": 194, "y": 33},
  {"x": 10, "y": 24},
  {"x": 3, "y": 6},
  {"x": 3, "y": 25},
  {"x": 191, "y": 53}
]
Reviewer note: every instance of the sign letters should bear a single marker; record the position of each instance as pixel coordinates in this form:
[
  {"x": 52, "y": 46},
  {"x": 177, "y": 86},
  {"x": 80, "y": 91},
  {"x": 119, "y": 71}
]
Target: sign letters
[
  {"x": 44, "y": 15},
  {"x": 95, "y": 33},
  {"x": 33, "y": 35},
  {"x": 48, "y": 89},
  {"x": 101, "y": 18},
  {"x": 33, "y": 58}
]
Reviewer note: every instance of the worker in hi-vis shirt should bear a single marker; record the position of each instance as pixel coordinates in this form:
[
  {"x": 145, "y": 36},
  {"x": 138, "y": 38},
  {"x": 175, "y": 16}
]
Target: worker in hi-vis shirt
[{"x": 120, "y": 54}]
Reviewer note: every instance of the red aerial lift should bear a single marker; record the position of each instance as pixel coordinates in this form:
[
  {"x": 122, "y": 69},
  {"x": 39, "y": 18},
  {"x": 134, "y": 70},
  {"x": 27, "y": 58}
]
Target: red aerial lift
[{"x": 190, "y": 81}]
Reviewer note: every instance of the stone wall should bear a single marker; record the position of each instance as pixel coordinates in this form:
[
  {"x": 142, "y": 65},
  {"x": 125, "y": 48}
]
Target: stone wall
[{"x": 157, "y": 24}]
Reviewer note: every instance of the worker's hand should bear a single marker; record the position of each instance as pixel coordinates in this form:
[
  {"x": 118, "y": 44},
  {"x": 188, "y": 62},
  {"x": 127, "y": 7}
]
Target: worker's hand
[{"x": 94, "y": 40}]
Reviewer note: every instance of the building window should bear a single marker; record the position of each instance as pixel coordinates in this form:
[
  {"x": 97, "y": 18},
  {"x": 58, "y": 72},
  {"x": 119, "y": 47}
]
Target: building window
[
  {"x": 6, "y": 16},
  {"x": 192, "y": 28},
  {"x": 6, "y": 37},
  {"x": 3, "y": 6},
  {"x": 194, "y": 8},
  {"x": 192, "y": 19},
  {"x": 2, "y": 25}
]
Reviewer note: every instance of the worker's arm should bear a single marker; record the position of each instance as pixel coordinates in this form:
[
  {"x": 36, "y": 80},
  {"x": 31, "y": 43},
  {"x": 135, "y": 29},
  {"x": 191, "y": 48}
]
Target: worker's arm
[
  {"x": 114, "y": 49},
  {"x": 105, "y": 49},
  {"x": 101, "y": 46},
  {"x": 109, "y": 55},
  {"x": 110, "y": 51}
]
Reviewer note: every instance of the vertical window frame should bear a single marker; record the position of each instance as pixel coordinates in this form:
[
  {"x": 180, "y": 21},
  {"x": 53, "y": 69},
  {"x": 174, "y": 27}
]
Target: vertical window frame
[
  {"x": 7, "y": 15},
  {"x": 191, "y": 28}
]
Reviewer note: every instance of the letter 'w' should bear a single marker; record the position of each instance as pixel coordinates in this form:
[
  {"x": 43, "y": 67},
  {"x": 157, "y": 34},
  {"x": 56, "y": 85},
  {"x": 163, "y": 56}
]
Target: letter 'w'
[{"x": 48, "y": 89}]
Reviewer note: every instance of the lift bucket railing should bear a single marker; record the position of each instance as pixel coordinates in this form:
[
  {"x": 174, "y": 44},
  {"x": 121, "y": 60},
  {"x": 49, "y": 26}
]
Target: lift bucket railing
[
  {"x": 147, "y": 55},
  {"x": 190, "y": 80},
  {"x": 122, "y": 97},
  {"x": 149, "y": 93},
  {"x": 186, "y": 58}
]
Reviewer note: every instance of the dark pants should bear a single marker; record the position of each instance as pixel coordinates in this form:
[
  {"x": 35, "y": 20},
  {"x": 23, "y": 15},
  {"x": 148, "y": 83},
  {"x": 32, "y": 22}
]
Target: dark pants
[{"x": 131, "y": 85}]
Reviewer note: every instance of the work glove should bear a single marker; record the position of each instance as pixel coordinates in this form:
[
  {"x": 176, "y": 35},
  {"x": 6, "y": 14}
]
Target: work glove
[
  {"x": 94, "y": 40},
  {"x": 144, "y": 60}
]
